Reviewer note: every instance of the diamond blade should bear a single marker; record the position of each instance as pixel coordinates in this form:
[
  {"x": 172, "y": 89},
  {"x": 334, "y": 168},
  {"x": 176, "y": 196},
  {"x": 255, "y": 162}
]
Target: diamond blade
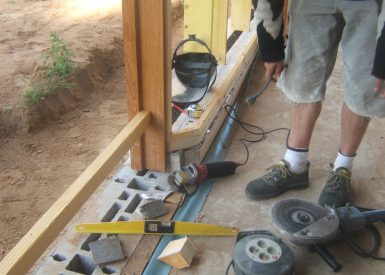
[{"x": 293, "y": 215}]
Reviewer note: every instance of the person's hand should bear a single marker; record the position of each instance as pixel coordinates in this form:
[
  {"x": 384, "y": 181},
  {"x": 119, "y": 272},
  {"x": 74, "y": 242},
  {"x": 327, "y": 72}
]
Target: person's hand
[
  {"x": 378, "y": 87},
  {"x": 274, "y": 69}
]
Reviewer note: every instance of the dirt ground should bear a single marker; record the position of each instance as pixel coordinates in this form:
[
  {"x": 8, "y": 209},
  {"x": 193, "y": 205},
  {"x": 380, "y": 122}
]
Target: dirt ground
[{"x": 44, "y": 148}]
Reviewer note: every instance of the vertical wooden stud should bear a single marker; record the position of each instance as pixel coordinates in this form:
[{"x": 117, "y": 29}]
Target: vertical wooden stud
[
  {"x": 198, "y": 19},
  {"x": 207, "y": 19},
  {"x": 219, "y": 30},
  {"x": 146, "y": 25},
  {"x": 130, "y": 25},
  {"x": 240, "y": 15}
]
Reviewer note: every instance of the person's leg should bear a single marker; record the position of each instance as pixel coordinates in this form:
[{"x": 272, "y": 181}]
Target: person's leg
[
  {"x": 361, "y": 102},
  {"x": 337, "y": 189},
  {"x": 303, "y": 118},
  {"x": 292, "y": 171},
  {"x": 353, "y": 128},
  {"x": 314, "y": 35},
  {"x": 311, "y": 63}
]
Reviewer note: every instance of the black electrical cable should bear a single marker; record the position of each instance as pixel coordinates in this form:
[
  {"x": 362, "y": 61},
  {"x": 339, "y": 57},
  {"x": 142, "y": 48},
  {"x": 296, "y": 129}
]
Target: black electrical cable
[
  {"x": 251, "y": 99},
  {"x": 358, "y": 249},
  {"x": 247, "y": 127},
  {"x": 208, "y": 87},
  {"x": 251, "y": 129},
  {"x": 231, "y": 263}
]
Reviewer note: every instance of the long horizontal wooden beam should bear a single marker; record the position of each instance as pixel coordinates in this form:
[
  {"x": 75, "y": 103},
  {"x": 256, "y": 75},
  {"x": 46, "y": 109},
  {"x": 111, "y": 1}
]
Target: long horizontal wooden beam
[{"x": 20, "y": 259}]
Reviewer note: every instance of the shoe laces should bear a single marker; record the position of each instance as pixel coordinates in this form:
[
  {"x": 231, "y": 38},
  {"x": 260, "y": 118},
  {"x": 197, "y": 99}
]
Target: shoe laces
[
  {"x": 338, "y": 181},
  {"x": 277, "y": 171}
]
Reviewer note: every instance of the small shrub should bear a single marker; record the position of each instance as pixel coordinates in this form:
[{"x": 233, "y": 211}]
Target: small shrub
[
  {"x": 34, "y": 95},
  {"x": 7, "y": 109},
  {"x": 58, "y": 68}
]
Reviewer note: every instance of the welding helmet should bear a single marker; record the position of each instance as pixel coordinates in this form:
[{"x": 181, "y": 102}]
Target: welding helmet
[{"x": 194, "y": 69}]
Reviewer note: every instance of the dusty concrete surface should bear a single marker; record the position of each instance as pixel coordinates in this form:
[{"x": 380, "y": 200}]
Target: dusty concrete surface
[
  {"x": 36, "y": 167},
  {"x": 228, "y": 205}
]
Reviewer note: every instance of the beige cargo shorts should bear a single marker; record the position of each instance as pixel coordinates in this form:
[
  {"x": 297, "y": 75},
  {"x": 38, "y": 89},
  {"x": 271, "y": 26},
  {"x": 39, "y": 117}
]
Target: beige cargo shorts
[{"x": 317, "y": 28}]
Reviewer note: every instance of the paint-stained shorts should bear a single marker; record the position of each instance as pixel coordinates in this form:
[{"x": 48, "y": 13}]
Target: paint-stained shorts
[{"x": 317, "y": 28}]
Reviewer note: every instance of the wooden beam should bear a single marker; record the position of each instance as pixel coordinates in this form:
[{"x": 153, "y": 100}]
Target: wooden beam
[
  {"x": 148, "y": 72},
  {"x": 240, "y": 15},
  {"x": 207, "y": 19},
  {"x": 198, "y": 20},
  {"x": 40, "y": 236},
  {"x": 130, "y": 24},
  {"x": 178, "y": 253},
  {"x": 219, "y": 30}
]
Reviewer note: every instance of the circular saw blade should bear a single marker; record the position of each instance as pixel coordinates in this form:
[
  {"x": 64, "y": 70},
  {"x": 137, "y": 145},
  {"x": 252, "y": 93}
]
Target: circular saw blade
[{"x": 303, "y": 222}]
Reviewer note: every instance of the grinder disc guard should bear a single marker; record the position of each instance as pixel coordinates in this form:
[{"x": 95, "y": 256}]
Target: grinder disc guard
[{"x": 305, "y": 223}]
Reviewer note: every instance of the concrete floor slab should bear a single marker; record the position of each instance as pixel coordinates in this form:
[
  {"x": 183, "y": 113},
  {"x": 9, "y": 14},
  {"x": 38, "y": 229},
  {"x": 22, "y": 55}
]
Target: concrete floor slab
[{"x": 228, "y": 205}]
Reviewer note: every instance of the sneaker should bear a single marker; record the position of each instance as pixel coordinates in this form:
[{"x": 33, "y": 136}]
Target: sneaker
[
  {"x": 278, "y": 180},
  {"x": 337, "y": 189}
]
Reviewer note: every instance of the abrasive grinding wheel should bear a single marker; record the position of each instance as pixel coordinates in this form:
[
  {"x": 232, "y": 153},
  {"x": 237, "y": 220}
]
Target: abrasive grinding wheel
[{"x": 305, "y": 223}]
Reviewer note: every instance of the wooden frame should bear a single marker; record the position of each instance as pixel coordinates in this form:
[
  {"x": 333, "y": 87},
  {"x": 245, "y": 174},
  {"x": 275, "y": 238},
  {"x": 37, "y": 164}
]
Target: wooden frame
[
  {"x": 240, "y": 15},
  {"x": 146, "y": 32},
  {"x": 191, "y": 135},
  {"x": 148, "y": 72},
  {"x": 40, "y": 236},
  {"x": 207, "y": 19}
]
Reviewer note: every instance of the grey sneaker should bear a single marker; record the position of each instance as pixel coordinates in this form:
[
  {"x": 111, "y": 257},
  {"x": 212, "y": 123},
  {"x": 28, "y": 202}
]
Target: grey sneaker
[
  {"x": 337, "y": 189},
  {"x": 278, "y": 180}
]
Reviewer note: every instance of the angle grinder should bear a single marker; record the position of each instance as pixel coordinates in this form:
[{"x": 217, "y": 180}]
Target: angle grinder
[
  {"x": 260, "y": 252},
  {"x": 191, "y": 175},
  {"x": 308, "y": 224}
]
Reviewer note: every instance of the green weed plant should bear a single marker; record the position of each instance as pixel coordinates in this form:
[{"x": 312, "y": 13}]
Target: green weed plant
[{"x": 59, "y": 66}]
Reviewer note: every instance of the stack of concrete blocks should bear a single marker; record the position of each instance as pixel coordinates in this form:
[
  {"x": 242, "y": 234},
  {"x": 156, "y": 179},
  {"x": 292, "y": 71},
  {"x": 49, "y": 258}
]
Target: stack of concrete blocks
[{"x": 115, "y": 200}]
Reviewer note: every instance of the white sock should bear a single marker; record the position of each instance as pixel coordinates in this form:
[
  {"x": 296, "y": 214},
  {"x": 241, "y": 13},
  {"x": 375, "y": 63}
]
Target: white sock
[
  {"x": 343, "y": 161},
  {"x": 297, "y": 160}
]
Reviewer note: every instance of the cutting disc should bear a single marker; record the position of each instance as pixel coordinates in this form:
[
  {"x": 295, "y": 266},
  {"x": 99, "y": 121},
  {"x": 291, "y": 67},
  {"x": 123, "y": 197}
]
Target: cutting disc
[{"x": 305, "y": 223}]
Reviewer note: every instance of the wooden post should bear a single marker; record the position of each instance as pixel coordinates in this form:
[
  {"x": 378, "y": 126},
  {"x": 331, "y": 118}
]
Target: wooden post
[
  {"x": 129, "y": 9},
  {"x": 146, "y": 32},
  {"x": 198, "y": 20},
  {"x": 240, "y": 15},
  {"x": 207, "y": 19},
  {"x": 219, "y": 31}
]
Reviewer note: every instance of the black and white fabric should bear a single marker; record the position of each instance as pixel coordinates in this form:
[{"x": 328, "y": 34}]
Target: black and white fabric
[{"x": 269, "y": 17}]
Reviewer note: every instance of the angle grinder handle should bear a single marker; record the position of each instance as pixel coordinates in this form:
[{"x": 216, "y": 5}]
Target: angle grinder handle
[
  {"x": 220, "y": 169},
  {"x": 327, "y": 257},
  {"x": 374, "y": 216}
]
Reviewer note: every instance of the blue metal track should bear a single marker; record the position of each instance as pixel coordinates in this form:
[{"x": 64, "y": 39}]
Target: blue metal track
[{"x": 191, "y": 207}]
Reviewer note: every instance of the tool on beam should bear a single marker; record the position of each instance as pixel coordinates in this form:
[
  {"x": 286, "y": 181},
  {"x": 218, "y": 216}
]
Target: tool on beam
[
  {"x": 191, "y": 175},
  {"x": 194, "y": 110}
]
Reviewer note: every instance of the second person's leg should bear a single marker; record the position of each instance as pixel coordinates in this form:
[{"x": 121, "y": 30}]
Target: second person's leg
[{"x": 361, "y": 102}]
